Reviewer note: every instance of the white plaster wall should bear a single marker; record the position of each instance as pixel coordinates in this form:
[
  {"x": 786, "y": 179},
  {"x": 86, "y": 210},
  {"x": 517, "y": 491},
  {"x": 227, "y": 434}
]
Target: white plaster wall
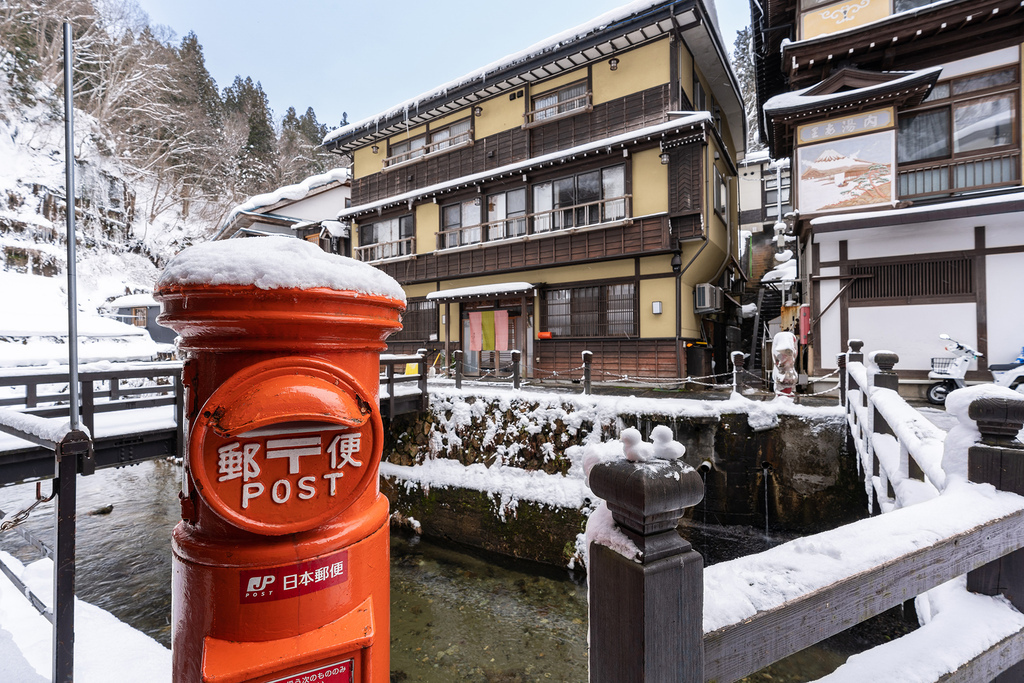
[
  {"x": 319, "y": 207},
  {"x": 912, "y": 332},
  {"x": 1002, "y": 230},
  {"x": 828, "y": 249},
  {"x": 920, "y": 238},
  {"x": 1004, "y": 276},
  {"x": 831, "y": 341}
]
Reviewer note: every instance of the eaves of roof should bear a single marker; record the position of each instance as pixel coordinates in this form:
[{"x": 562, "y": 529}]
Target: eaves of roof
[{"x": 688, "y": 17}]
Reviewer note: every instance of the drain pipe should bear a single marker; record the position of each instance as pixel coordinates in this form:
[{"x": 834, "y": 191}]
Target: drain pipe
[{"x": 679, "y": 271}]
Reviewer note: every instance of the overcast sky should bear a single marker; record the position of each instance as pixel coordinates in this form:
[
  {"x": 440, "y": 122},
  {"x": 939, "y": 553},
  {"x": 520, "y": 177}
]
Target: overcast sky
[{"x": 365, "y": 57}]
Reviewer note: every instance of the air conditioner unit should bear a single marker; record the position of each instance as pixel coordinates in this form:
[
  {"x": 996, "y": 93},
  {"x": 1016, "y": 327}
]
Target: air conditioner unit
[{"x": 707, "y": 298}]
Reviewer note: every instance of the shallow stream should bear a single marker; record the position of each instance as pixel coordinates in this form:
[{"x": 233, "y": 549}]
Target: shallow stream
[{"x": 455, "y": 615}]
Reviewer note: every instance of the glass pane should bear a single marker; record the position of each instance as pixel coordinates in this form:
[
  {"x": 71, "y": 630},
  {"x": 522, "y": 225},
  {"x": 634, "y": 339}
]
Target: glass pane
[
  {"x": 558, "y": 312},
  {"x": 451, "y": 216},
  {"x": 470, "y": 217},
  {"x": 545, "y": 106},
  {"x": 572, "y": 97},
  {"x": 620, "y": 309},
  {"x": 983, "y": 123},
  {"x": 542, "y": 207},
  {"x": 904, "y": 5},
  {"x": 923, "y": 136},
  {"x": 516, "y": 202},
  {"x": 939, "y": 92},
  {"x": 565, "y": 196},
  {"x": 586, "y": 312},
  {"x": 983, "y": 81}
]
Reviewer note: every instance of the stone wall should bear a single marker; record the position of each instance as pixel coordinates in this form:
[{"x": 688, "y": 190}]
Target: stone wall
[{"x": 812, "y": 482}]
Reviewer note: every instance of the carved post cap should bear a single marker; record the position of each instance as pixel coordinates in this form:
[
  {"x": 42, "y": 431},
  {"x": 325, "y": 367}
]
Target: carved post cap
[
  {"x": 739, "y": 359},
  {"x": 855, "y": 345},
  {"x": 647, "y": 499},
  {"x": 886, "y": 360},
  {"x": 587, "y": 355},
  {"x": 841, "y": 360},
  {"x": 998, "y": 418}
]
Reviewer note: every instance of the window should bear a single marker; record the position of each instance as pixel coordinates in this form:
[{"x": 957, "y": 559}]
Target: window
[
  {"x": 451, "y": 136},
  {"x": 565, "y": 101},
  {"x": 721, "y": 195},
  {"x": 139, "y": 316},
  {"x": 419, "y": 322},
  {"x": 460, "y": 224},
  {"x": 596, "y": 311},
  {"x": 771, "y": 195},
  {"x": 584, "y": 199},
  {"x": 447, "y": 138},
  {"x": 700, "y": 100},
  {"x": 506, "y": 214},
  {"x": 386, "y": 239},
  {"x": 971, "y": 120},
  {"x": 935, "y": 278}
]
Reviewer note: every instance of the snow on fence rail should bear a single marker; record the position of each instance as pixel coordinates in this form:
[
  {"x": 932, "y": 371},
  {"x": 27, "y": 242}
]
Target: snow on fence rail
[{"x": 758, "y": 609}]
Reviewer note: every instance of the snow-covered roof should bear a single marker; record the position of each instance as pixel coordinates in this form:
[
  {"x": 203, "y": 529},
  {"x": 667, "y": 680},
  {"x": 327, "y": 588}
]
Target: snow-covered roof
[
  {"x": 133, "y": 301},
  {"x": 658, "y": 129},
  {"x": 482, "y": 291},
  {"x": 800, "y": 100},
  {"x": 552, "y": 53},
  {"x": 275, "y": 263},
  {"x": 1003, "y": 202},
  {"x": 292, "y": 193}
]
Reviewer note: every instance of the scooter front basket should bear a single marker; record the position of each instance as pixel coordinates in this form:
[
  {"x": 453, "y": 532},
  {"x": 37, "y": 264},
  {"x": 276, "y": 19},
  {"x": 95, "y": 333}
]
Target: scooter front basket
[{"x": 942, "y": 364}]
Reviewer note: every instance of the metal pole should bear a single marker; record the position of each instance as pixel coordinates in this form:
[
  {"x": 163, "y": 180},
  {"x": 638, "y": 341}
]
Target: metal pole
[{"x": 66, "y": 463}]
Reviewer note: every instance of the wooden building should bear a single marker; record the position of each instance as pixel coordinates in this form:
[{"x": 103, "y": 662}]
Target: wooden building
[
  {"x": 579, "y": 195},
  {"x": 902, "y": 120}
]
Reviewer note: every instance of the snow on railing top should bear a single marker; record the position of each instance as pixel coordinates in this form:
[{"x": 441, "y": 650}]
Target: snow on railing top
[
  {"x": 43, "y": 428},
  {"x": 275, "y": 263}
]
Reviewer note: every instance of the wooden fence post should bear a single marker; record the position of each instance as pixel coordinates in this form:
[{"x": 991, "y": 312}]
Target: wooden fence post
[
  {"x": 841, "y": 364},
  {"x": 646, "y": 616},
  {"x": 458, "y": 369},
  {"x": 588, "y": 359},
  {"x": 998, "y": 459},
  {"x": 421, "y": 368},
  {"x": 517, "y": 375},
  {"x": 738, "y": 362}
]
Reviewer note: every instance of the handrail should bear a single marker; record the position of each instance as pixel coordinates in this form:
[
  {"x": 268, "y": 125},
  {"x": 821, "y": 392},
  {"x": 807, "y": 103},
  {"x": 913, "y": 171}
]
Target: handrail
[
  {"x": 579, "y": 104},
  {"x": 585, "y": 215},
  {"x": 378, "y": 251},
  {"x": 447, "y": 145},
  {"x": 955, "y": 175}
]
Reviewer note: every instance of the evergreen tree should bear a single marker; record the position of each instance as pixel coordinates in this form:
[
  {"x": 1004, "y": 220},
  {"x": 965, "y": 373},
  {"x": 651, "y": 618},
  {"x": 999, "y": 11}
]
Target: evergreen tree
[
  {"x": 743, "y": 67},
  {"x": 256, "y": 159},
  {"x": 297, "y": 145}
]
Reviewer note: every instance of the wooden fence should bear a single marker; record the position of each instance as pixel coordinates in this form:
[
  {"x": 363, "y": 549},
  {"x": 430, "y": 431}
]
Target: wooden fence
[{"x": 663, "y": 617}]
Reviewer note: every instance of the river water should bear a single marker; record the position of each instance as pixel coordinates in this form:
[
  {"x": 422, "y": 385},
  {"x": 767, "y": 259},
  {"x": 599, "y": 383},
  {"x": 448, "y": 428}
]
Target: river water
[{"x": 455, "y": 616}]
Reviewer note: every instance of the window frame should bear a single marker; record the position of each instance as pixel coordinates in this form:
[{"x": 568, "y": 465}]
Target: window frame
[
  {"x": 405, "y": 228},
  {"x": 952, "y": 101},
  {"x": 431, "y": 143},
  {"x": 561, "y": 216},
  {"x": 585, "y": 311},
  {"x": 532, "y": 118}
]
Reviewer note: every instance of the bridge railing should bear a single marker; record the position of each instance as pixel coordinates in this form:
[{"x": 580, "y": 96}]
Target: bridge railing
[
  {"x": 893, "y": 441},
  {"x": 401, "y": 391},
  {"x": 755, "y": 610},
  {"x": 43, "y": 392}
]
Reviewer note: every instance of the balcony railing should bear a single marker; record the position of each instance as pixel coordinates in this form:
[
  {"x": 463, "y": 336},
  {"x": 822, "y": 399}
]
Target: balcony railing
[
  {"x": 957, "y": 175},
  {"x": 559, "y": 110},
  {"x": 438, "y": 146},
  {"x": 579, "y": 216},
  {"x": 383, "y": 250}
]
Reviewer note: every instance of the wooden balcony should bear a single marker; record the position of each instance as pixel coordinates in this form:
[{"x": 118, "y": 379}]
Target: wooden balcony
[
  {"x": 386, "y": 250},
  {"x": 559, "y": 110},
  {"x": 588, "y": 215},
  {"x": 434, "y": 148},
  {"x": 958, "y": 175}
]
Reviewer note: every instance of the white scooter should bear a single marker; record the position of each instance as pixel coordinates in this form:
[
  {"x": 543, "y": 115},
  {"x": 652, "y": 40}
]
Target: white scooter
[{"x": 951, "y": 371}]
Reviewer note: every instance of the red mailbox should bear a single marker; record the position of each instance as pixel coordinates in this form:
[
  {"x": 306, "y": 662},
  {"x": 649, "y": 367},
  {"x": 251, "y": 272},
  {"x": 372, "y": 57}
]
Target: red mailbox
[{"x": 281, "y": 558}]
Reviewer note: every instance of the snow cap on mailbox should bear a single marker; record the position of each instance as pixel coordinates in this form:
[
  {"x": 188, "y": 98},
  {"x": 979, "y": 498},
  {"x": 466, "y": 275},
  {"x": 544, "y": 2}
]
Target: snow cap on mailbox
[{"x": 283, "y": 342}]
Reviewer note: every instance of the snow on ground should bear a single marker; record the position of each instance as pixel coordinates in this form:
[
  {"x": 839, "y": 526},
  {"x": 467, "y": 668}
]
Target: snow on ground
[
  {"x": 106, "y": 649},
  {"x": 34, "y": 327}
]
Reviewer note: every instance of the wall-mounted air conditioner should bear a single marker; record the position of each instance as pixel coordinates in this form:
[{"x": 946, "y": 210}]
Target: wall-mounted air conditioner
[{"x": 707, "y": 298}]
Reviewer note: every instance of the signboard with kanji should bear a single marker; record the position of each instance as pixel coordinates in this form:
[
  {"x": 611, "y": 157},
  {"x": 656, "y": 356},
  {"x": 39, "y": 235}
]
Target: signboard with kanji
[{"x": 285, "y": 476}]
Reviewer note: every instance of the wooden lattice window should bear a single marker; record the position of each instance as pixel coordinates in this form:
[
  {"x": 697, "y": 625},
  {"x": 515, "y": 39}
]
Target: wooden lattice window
[{"x": 913, "y": 279}]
